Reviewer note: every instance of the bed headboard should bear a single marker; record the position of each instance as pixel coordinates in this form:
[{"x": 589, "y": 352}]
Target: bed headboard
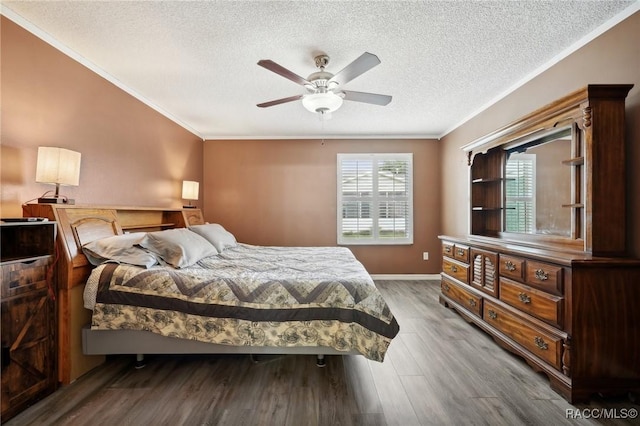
[{"x": 78, "y": 225}]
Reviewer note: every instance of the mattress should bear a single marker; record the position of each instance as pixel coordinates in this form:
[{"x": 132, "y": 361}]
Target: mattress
[{"x": 250, "y": 296}]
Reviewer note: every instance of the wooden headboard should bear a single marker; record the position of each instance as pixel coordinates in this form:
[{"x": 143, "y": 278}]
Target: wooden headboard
[{"x": 78, "y": 225}]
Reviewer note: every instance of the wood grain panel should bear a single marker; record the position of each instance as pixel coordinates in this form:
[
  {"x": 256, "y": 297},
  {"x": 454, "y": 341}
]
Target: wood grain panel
[
  {"x": 457, "y": 270},
  {"x": 20, "y": 277},
  {"x": 447, "y": 249},
  {"x": 461, "y": 253},
  {"x": 512, "y": 267},
  {"x": 541, "y": 305},
  {"x": 544, "y": 276},
  {"x": 465, "y": 298},
  {"x": 540, "y": 342}
]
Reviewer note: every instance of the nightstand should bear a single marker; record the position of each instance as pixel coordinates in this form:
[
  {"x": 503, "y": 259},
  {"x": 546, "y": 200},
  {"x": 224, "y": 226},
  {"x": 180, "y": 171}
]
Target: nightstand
[{"x": 27, "y": 252}]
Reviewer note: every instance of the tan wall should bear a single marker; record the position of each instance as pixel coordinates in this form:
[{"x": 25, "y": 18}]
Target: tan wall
[
  {"x": 131, "y": 154},
  {"x": 283, "y": 192},
  {"x": 614, "y": 57}
]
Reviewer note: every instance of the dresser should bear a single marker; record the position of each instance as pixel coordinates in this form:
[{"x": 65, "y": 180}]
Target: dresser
[
  {"x": 573, "y": 317},
  {"x": 28, "y": 314},
  {"x": 544, "y": 268}
]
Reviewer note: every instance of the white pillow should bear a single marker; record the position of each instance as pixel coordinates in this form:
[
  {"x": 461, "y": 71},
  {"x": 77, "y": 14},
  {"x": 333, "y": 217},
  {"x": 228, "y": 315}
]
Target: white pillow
[
  {"x": 121, "y": 249},
  {"x": 216, "y": 235},
  {"x": 178, "y": 247}
]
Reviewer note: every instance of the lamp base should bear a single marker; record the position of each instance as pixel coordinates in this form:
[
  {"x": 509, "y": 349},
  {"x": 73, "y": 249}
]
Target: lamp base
[
  {"x": 56, "y": 200},
  {"x": 189, "y": 207}
]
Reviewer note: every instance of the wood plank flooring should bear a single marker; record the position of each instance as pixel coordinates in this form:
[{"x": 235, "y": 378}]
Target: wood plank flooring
[{"x": 440, "y": 370}]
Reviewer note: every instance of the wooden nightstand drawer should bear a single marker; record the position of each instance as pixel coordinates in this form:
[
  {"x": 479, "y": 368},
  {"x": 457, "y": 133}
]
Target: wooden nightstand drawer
[
  {"x": 539, "y": 342},
  {"x": 454, "y": 269},
  {"x": 512, "y": 267},
  {"x": 22, "y": 277},
  {"x": 461, "y": 253},
  {"x": 542, "y": 305},
  {"x": 544, "y": 276},
  {"x": 467, "y": 299}
]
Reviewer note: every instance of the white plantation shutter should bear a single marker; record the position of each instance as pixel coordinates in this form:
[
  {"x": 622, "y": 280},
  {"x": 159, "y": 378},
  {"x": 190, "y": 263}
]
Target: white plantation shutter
[
  {"x": 375, "y": 198},
  {"x": 520, "y": 191}
]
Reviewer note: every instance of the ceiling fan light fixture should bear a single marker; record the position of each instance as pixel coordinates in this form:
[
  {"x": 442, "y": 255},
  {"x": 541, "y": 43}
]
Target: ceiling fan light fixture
[
  {"x": 322, "y": 103},
  {"x": 324, "y": 93}
]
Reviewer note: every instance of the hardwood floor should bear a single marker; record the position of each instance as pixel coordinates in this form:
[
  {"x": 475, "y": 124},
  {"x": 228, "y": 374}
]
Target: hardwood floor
[{"x": 440, "y": 370}]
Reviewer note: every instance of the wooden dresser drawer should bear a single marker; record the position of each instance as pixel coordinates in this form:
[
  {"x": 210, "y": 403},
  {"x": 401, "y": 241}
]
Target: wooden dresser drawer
[
  {"x": 512, "y": 267},
  {"x": 454, "y": 269},
  {"x": 541, "y": 305},
  {"x": 463, "y": 297},
  {"x": 461, "y": 253},
  {"x": 541, "y": 343},
  {"x": 447, "y": 249},
  {"x": 544, "y": 276},
  {"x": 21, "y": 277}
]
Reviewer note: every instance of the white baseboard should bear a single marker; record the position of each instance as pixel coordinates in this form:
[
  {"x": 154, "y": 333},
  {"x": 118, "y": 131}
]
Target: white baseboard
[{"x": 405, "y": 277}]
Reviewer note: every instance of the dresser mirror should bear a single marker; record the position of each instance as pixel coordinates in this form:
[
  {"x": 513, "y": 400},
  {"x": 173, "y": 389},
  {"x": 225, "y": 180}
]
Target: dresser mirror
[
  {"x": 555, "y": 177},
  {"x": 539, "y": 186}
]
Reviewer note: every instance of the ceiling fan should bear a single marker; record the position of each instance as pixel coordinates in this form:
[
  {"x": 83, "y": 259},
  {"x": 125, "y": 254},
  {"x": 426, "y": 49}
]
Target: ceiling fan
[{"x": 324, "y": 94}]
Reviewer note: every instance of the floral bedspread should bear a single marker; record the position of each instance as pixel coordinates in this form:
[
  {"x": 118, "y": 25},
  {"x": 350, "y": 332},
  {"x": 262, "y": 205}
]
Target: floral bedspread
[{"x": 250, "y": 296}]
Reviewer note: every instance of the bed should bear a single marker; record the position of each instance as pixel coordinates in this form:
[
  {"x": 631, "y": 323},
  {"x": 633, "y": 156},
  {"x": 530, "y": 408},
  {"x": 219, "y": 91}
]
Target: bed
[
  {"x": 241, "y": 299},
  {"x": 248, "y": 297}
]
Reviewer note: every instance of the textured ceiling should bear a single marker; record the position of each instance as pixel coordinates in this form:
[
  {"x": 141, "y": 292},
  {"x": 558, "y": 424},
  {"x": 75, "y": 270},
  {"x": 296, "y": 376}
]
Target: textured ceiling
[{"x": 195, "y": 62}]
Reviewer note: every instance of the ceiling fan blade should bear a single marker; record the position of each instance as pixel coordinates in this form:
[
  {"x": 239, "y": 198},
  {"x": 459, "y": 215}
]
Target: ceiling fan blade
[
  {"x": 280, "y": 70},
  {"x": 364, "y": 63},
  {"x": 369, "y": 98},
  {"x": 280, "y": 101}
]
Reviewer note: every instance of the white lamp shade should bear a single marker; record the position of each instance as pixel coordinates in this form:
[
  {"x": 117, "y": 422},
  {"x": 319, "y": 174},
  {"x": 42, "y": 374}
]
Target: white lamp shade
[
  {"x": 322, "y": 102},
  {"x": 58, "y": 165},
  {"x": 190, "y": 190}
]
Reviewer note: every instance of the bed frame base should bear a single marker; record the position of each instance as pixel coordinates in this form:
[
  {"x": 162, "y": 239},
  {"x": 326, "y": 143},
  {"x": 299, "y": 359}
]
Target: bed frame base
[{"x": 141, "y": 343}]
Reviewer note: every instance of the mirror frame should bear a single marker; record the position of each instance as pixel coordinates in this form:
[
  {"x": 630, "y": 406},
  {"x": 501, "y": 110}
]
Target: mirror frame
[{"x": 596, "y": 115}]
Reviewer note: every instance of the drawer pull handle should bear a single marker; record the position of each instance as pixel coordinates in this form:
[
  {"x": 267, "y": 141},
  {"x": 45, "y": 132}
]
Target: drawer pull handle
[
  {"x": 447, "y": 249},
  {"x": 540, "y": 343},
  {"x": 460, "y": 252},
  {"x": 472, "y": 302},
  {"x": 542, "y": 275},
  {"x": 446, "y": 287},
  {"x": 524, "y": 298},
  {"x": 454, "y": 268},
  {"x": 492, "y": 314},
  {"x": 510, "y": 266}
]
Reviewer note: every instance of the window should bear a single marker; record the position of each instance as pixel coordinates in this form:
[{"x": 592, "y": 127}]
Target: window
[
  {"x": 520, "y": 190},
  {"x": 375, "y": 198}
]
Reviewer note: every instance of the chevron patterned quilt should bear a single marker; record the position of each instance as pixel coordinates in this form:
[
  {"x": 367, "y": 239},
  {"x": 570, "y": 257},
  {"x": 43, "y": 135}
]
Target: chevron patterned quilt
[{"x": 250, "y": 295}]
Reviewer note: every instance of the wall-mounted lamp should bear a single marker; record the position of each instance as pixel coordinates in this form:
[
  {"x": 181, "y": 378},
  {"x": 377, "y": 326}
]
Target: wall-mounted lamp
[
  {"x": 190, "y": 190},
  {"x": 57, "y": 166}
]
